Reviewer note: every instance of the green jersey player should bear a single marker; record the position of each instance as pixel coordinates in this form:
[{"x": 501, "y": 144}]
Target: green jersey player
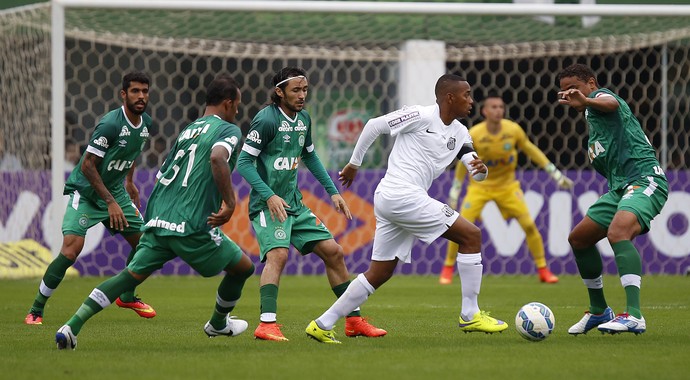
[
  {"x": 619, "y": 151},
  {"x": 192, "y": 198},
  {"x": 279, "y": 139},
  {"x": 97, "y": 195}
]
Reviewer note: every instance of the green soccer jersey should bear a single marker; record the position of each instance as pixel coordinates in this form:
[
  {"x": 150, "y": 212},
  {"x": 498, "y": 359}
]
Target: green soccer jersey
[
  {"x": 118, "y": 142},
  {"x": 618, "y": 148},
  {"x": 278, "y": 143},
  {"x": 186, "y": 194}
]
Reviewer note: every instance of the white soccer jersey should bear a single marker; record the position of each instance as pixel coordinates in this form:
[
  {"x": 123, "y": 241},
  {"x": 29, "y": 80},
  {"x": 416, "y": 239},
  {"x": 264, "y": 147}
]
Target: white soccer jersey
[{"x": 423, "y": 149}]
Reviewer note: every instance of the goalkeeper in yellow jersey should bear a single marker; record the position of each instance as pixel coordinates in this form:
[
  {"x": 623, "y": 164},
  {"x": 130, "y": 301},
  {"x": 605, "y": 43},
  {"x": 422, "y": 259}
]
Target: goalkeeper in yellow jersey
[{"x": 496, "y": 141}]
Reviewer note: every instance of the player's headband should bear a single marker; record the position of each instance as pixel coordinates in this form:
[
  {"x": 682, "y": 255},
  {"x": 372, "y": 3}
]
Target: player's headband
[{"x": 285, "y": 80}]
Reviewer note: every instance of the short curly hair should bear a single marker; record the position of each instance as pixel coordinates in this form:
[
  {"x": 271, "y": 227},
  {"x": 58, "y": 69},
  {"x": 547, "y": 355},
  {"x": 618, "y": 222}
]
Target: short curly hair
[{"x": 579, "y": 71}]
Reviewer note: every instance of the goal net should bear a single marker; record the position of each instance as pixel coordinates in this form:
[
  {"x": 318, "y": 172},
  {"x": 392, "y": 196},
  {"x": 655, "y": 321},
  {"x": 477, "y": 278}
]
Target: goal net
[{"x": 360, "y": 63}]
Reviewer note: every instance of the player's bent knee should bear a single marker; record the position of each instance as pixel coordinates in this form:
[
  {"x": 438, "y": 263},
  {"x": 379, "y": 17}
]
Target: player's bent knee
[
  {"x": 472, "y": 239},
  {"x": 247, "y": 273},
  {"x": 576, "y": 242},
  {"x": 72, "y": 246}
]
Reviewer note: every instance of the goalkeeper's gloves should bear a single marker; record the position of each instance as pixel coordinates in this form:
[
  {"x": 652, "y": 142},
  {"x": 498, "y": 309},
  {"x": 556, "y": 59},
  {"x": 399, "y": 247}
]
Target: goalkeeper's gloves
[
  {"x": 561, "y": 180},
  {"x": 454, "y": 193}
]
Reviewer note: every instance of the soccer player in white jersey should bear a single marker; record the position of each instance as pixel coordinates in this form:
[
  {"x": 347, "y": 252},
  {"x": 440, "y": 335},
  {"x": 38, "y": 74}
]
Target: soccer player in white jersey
[{"x": 428, "y": 139}]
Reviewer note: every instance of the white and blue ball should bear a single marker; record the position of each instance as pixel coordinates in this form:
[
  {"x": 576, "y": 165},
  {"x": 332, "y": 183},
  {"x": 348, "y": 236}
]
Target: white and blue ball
[{"x": 535, "y": 321}]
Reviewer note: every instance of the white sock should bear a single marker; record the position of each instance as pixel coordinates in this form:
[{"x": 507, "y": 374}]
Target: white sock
[
  {"x": 357, "y": 292},
  {"x": 470, "y": 269}
]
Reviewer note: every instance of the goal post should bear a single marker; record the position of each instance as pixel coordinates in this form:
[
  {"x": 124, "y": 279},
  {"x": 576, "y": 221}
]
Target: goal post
[{"x": 364, "y": 58}]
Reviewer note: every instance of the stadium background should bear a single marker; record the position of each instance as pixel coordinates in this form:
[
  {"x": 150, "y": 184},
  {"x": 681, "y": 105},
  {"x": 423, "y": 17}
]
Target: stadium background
[{"x": 353, "y": 63}]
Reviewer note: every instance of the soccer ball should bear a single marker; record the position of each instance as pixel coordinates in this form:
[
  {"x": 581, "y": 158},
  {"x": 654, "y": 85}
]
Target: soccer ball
[{"x": 535, "y": 321}]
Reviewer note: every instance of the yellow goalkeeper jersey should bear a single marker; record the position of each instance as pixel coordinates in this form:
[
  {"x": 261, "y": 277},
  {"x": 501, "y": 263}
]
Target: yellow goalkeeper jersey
[{"x": 499, "y": 153}]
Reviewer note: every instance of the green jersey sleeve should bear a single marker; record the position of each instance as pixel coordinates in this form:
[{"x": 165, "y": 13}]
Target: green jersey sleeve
[
  {"x": 104, "y": 136},
  {"x": 261, "y": 133},
  {"x": 313, "y": 163}
]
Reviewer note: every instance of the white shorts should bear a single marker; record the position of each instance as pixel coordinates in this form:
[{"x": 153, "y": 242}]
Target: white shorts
[{"x": 402, "y": 217}]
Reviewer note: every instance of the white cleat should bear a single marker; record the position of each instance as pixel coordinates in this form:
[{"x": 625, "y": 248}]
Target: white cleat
[
  {"x": 234, "y": 327},
  {"x": 624, "y": 323},
  {"x": 65, "y": 338}
]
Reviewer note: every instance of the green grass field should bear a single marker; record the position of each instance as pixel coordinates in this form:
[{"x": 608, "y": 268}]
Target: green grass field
[{"x": 420, "y": 315}]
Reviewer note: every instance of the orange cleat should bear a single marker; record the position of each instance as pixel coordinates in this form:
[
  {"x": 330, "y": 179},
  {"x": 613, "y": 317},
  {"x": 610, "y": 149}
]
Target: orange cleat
[
  {"x": 144, "y": 310},
  {"x": 269, "y": 331},
  {"x": 33, "y": 319},
  {"x": 546, "y": 276},
  {"x": 446, "y": 277},
  {"x": 358, "y": 326}
]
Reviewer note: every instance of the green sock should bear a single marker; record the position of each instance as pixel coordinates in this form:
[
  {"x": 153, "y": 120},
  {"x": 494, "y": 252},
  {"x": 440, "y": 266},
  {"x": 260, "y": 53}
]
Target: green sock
[
  {"x": 339, "y": 290},
  {"x": 51, "y": 279},
  {"x": 229, "y": 292},
  {"x": 630, "y": 270},
  {"x": 269, "y": 298},
  {"x": 589, "y": 264},
  {"x": 128, "y": 296},
  {"x": 108, "y": 289}
]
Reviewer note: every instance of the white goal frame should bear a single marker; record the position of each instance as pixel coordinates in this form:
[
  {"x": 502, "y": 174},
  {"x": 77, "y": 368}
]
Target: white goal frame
[{"x": 58, "y": 8}]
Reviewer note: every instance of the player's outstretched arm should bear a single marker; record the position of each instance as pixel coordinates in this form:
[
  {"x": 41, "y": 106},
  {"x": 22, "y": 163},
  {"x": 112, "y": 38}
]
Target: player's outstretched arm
[
  {"x": 313, "y": 163},
  {"x": 89, "y": 168},
  {"x": 348, "y": 174},
  {"x": 222, "y": 178},
  {"x": 561, "y": 180},
  {"x": 539, "y": 158}
]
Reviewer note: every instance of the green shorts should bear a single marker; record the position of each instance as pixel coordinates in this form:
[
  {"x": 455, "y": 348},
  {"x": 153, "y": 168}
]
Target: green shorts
[
  {"x": 303, "y": 231},
  {"x": 644, "y": 197},
  {"x": 208, "y": 253},
  {"x": 82, "y": 214}
]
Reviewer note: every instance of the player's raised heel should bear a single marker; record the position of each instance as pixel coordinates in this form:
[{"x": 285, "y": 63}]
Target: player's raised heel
[
  {"x": 482, "y": 322},
  {"x": 546, "y": 276},
  {"x": 64, "y": 338},
  {"x": 320, "y": 335},
  {"x": 446, "y": 277},
  {"x": 233, "y": 327},
  {"x": 138, "y": 306},
  {"x": 590, "y": 321}
]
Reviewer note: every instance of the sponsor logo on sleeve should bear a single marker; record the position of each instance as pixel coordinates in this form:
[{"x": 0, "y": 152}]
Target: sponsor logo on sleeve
[
  {"x": 402, "y": 119},
  {"x": 101, "y": 141},
  {"x": 254, "y": 136}
]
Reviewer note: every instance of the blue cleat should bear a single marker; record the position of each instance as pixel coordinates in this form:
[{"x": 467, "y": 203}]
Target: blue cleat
[{"x": 590, "y": 321}]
